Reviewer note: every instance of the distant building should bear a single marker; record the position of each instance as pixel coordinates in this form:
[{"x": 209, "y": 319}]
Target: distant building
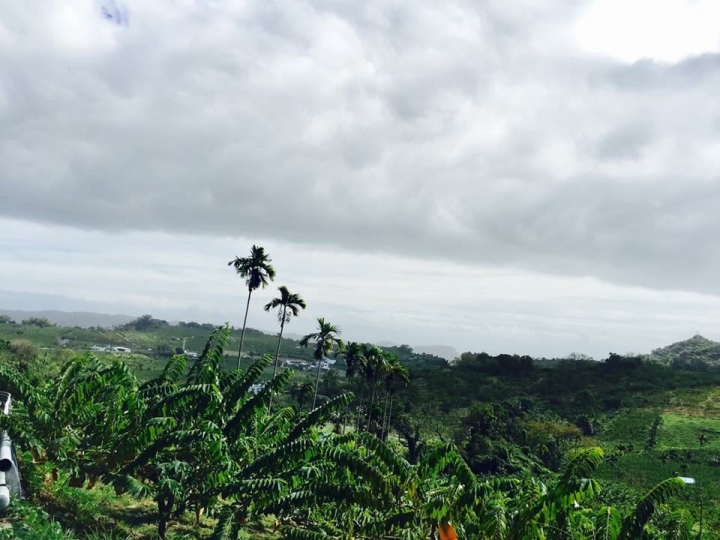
[
  {"x": 255, "y": 388},
  {"x": 323, "y": 366},
  {"x": 191, "y": 355},
  {"x": 98, "y": 348},
  {"x": 124, "y": 350},
  {"x": 298, "y": 364}
]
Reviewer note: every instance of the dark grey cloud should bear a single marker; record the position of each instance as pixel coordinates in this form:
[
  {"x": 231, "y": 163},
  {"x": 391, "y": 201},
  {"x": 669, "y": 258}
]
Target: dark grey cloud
[{"x": 472, "y": 131}]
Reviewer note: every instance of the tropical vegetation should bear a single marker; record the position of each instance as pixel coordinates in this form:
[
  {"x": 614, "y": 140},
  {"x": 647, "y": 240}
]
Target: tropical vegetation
[{"x": 402, "y": 446}]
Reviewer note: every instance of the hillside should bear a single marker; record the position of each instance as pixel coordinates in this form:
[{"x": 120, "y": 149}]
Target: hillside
[
  {"x": 83, "y": 319},
  {"x": 696, "y": 353},
  {"x": 152, "y": 345}
]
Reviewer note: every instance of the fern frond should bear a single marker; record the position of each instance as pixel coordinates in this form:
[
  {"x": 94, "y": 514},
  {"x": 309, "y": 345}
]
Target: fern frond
[
  {"x": 319, "y": 414},
  {"x": 295, "y": 533},
  {"x": 634, "y": 524},
  {"x": 205, "y": 369},
  {"x": 608, "y": 523},
  {"x": 240, "y": 387},
  {"x": 681, "y": 525},
  {"x": 583, "y": 463},
  {"x": 226, "y": 527},
  {"x": 174, "y": 369}
]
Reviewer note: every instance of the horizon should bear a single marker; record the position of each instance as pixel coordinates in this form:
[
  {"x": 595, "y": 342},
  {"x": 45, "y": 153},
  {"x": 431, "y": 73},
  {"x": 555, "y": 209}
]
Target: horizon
[
  {"x": 538, "y": 179},
  {"x": 51, "y": 315}
]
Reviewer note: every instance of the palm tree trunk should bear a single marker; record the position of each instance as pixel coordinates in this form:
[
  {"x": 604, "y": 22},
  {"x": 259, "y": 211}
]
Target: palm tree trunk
[
  {"x": 345, "y": 415},
  {"x": 317, "y": 383},
  {"x": 372, "y": 401},
  {"x": 242, "y": 335},
  {"x": 277, "y": 353},
  {"x": 362, "y": 394},
  {"x": 389, "y": 415},
  {"x": 385, "y": 407}
]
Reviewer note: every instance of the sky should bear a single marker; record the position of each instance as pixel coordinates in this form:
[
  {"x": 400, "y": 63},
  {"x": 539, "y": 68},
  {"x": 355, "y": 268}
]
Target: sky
[{"x": 537, "y": 177}]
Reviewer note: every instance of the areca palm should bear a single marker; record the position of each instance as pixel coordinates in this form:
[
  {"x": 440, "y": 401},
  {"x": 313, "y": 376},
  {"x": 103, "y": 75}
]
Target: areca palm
[
  {"x": 289, "y": 305},
  {"x": 376, "y": 361},
  {"x": 354, "y": 364},
  {"x": 258, "y": 273},
  {"x": 395, "y": 375},
  {"x": 326, "y": 340}
]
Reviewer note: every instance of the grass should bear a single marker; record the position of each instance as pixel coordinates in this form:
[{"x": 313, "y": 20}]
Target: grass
[
  {"x": 627, "y": 427},
  {"x": 682, "y": 432}
]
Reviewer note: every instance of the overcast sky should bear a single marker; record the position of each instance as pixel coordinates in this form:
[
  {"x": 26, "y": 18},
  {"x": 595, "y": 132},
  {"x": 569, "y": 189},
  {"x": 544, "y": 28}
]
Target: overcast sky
[{"x": 534, "y": 176}]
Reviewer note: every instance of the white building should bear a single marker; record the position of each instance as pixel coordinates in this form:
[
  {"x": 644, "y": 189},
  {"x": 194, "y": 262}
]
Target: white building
[{"x": 255, "y": 388}]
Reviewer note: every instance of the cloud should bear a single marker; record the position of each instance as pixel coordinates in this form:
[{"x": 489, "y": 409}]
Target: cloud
[
  {"x": 371, "y": 297},
  {"x": 476, "y": 132}
]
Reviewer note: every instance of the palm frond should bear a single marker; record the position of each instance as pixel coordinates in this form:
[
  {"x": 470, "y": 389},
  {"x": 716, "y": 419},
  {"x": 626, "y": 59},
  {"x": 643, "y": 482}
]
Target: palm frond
[{"x": 634, "y": 524}]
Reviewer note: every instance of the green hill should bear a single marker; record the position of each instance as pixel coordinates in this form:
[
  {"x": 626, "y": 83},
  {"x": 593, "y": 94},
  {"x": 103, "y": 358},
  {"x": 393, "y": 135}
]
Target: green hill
[
  {"x": 696, "y": 353},
  {"x": 152, "y": 341}
]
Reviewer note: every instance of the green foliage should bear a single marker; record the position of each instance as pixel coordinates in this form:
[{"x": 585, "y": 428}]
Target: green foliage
[
  {"x": 145, "y": 323},
  {"x": 194, "y": 438},
  {"x": 697, "y": 353},
  {"x": 40, "y": 322}
]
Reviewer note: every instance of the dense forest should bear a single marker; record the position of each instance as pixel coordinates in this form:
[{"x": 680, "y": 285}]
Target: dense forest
[{"x": 200, "y": 431}]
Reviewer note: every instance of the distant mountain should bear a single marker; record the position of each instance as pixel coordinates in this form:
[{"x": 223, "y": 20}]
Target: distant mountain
[
  {"x": 694, "y": 353},
  {"x": 83, "y": 319}
]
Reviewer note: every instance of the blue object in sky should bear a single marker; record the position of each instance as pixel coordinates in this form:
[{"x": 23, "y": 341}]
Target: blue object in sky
[{"x": 114, "y": 13}]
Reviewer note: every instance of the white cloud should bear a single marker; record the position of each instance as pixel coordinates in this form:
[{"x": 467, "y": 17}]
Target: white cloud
[
  {"x": 371, "y": 297},
  {"x": 402, "y": 134},
  {"x": 665, "y": 30}
]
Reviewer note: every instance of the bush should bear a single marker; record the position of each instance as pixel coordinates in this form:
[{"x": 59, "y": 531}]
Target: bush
[
  {"x": 40, "y": 322},
  {"x": 23, "y": 354}
]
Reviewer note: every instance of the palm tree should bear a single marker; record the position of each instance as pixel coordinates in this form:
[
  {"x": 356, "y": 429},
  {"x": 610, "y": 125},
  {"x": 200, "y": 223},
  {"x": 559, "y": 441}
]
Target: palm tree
[
  {"x": 374, "y": 369},
  {"x": 301, "y": 391},
  {"x": 326, "y": 339},
  {"x": 354, "y": 363},
  {"x": 395, "y": 375},
  {"x": 258, "y": 273},
  {"x": 290, "y": 305}
]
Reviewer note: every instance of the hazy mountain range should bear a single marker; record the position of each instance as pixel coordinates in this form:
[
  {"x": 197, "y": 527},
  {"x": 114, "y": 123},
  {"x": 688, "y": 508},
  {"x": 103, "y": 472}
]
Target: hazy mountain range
[{"x": 85, "y": 319}]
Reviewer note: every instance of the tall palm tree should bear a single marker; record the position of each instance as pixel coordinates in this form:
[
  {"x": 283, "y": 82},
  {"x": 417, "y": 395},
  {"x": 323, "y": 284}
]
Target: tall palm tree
[
  {"x": 301, "y": 392},
  {"x": 326, "y": 339},
  {"x": 258, "y": 273},
  {"x": 374, "y": 370},
  {"x": 396, "y": 374},
  {"x": 289, "y": 306},
  {"x": 354, "y": 364}
]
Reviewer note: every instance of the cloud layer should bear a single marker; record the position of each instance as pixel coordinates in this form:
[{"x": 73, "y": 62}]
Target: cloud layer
[
  {"x": 371, "y": 297},
  {"x": 477, "y": 139},
  {"x": 471, "y": 131}
]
